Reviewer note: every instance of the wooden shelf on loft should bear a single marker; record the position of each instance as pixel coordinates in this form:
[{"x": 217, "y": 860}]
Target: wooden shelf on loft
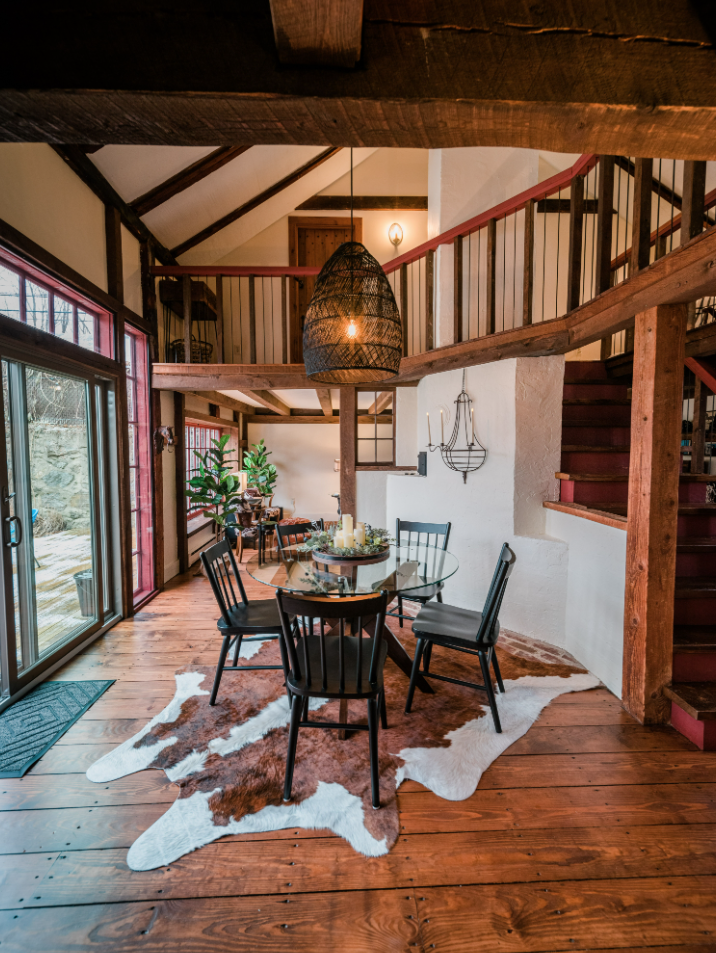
[{"x": 203, "y": 299}]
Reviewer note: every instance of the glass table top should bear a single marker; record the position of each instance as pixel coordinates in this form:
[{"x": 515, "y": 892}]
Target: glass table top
[{"x": 401, "y": 569}]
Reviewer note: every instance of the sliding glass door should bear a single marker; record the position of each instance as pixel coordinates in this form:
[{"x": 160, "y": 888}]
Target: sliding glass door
[{"x": 57, "y": 476}]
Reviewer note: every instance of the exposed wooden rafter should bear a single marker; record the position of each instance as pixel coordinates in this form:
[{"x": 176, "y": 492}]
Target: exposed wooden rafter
[
  {"x": 187, "y": 177},
  {"x": 382, "y": 401},
  {"x": 254, "y": 202},
  {"x": 364, "y": 203},
  {"x": 214, "y": 397},
  {"x": 269, "y": 401},
  {"x": 320, "y": 33},
  {"x": 324, "y": 398}
]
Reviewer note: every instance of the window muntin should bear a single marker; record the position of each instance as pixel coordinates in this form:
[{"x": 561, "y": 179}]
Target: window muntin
[
  {"x": 197, "y": 438},
  {"x": 375, "y": 427}
]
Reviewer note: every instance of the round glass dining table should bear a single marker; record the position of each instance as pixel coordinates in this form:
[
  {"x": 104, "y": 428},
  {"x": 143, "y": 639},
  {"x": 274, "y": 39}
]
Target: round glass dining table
[{"x": 400, "y": 570}]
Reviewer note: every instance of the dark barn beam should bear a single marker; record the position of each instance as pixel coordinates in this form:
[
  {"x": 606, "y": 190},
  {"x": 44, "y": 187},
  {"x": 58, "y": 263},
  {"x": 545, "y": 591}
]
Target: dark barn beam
[
  {"x": 365, "y": 203},
  {"x": 540, "y": 76},
  {"x": 320, "y": 33}
]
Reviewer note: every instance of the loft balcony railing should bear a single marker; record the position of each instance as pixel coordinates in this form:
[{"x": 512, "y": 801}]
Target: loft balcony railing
[{"x": 534, "y": 257}]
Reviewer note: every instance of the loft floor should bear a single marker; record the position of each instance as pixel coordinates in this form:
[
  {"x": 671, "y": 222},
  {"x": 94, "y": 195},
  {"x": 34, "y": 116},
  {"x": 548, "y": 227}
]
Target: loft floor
[{"x": 591, "y": 832}]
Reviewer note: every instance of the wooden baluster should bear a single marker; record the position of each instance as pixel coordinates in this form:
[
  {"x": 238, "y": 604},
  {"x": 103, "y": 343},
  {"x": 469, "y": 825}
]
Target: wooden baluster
[
  {"x": 186, "y": 289},
  {"x": 429, "y": 303},
  {"x": 252, "y": 319},
  {"x": 698, "y": 434},
  {"x": 219, "y": 319},
  {"x": 284, "y": 321},
  {"x": 491, "y": 265},
  {"x": 576, "y": 227},
  {"x": 457, "y": 290},
  {"x": 641, "y": 228},
  {"x": 692, "y": 212},
  {"x": 605, "y": 220},
  {"x": 404, "y": 305},
  {"x": 528, "y": 270}
]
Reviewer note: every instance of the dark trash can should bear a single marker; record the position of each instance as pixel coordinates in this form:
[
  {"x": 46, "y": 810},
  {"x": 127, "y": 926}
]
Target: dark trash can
[{"x": 85, "y": 592}]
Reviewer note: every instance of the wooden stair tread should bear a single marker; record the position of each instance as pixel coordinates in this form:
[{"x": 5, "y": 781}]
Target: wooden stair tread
[
  {"x": 694, "y": 636},
  {"x": 594, "y": 477},
  {"x": 696, "y": 544},
  {"x": 698, "y": 699},
  {"x": 696, "y": 509},
  {"x": 597, "y": 401},
  {"x": 697, "y": 478},
  {"x": 695, "y": 586}
]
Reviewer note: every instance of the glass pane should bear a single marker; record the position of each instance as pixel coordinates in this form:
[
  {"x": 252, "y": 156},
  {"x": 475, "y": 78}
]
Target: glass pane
[
  {"x": 86, "y": 326},
  {"x": 365, "y": 431},
  {"x": 37, "y": 306},
  {"x": 131, "y": 409},
  {"x": 384, "y": 430},
  {"x": 61, "y": 545},
  {"x": 134, "y": 532},
  {"x": 366, "y": 451},
  {"x": 132, "y": 461},
  {"x": 365, "y": 399},
  {"x": 133, "y": 489},
  {"x": 64, "y": 324},
  {"x": 129, "y": 354},
  {"x": 10, "y": 293},
  {"x": 135, "y": 573},
  {"x": 11, "y": 491},
  {"x": 385, "y": 451}
]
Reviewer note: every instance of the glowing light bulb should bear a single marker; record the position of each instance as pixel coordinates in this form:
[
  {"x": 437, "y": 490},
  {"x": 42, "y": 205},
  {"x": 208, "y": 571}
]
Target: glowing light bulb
[
  {"x": 352, "y": 329},
  {"x": 395, "y": 234}
]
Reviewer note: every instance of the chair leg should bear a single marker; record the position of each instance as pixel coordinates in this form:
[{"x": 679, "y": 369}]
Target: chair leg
[
  {"x": 498, "y": 674},
  {"x": 296, "y": 709},
  {"x": 383, "y": 711},
  {"x": 373, "y": 742},
  {"x": 487, "y": 676},
  {"x": 304, "y": 713},
  {"x": 239, "y": 546},
  {"x": 220, "y": 668},
  {"x": 427, "y": 655},
  {"x": 237, "y": 649},
  {"x": 414, "y": 674},
  {"x": 400, "y": 611},
  {"x": 439, "y": 597}
]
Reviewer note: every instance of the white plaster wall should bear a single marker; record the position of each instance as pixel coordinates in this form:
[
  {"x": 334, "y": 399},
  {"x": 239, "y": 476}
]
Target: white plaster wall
[
  {"x": 131, "y": 272},
  {"x": 594, "y": 614},
  {"x": 406, "y": 426},
  {"x": 44, "y": 199},
  {"x": 517, "y": 417}
]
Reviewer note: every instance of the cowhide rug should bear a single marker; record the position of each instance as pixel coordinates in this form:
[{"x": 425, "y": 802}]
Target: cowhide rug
[{"x": 229, "y": 761}]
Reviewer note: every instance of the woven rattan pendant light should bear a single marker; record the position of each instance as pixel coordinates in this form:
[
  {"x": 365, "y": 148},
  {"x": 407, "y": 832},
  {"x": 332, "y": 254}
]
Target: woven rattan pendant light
[{"x": 352, "y": 331}]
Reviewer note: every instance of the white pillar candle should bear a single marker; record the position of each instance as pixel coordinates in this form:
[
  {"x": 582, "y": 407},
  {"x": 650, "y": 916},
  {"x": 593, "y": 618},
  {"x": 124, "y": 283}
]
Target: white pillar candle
[
  {"x": 347, "y": 523},
  {"x": 338, "y": 540},
  {"x": 348, "y": 540},
  {"x": 359, "y": 534}
]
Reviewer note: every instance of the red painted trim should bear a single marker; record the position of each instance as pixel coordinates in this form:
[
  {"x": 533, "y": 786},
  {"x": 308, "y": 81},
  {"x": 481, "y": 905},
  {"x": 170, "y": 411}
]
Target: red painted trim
[
  {"x": 704, "y": 370},
  {"x": 702, "y": 733}
]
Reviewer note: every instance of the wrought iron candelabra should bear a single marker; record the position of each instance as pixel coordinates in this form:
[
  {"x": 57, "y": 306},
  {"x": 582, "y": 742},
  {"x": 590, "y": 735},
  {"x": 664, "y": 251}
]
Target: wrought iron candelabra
[{"x": 463, "y": 459}]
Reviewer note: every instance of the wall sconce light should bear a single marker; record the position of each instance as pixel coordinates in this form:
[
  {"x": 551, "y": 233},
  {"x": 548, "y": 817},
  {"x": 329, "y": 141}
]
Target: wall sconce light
[
  {"x": 337, "y": 465},
  {"x": 395, "y": 234}
]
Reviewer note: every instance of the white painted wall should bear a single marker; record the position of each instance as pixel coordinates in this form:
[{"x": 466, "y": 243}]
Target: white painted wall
[{"x": 594, "y": 612}]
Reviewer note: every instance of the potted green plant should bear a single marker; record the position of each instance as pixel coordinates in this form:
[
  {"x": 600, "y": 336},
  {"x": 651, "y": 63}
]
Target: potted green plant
[
  {"x": 216, "y": 489},
  {"x": 262, "y": 474}
]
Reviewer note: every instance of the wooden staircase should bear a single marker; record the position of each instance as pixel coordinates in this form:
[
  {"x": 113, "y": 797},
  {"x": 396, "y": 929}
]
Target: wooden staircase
[{"x": 596, "y": 418}]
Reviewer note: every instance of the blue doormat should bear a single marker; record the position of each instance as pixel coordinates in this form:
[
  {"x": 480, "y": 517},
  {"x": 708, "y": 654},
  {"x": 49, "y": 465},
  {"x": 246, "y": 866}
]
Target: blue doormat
[{"x": 31, "y": 726}]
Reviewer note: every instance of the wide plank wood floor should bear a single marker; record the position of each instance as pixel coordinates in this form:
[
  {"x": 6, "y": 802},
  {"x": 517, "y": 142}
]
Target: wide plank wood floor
[{"x": 590, "y": 833}]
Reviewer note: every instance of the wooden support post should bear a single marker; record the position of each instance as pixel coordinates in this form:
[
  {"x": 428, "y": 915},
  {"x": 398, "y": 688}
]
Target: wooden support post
[
  {"x": 429, "y": 300},
  {"x": 113, "y": 248},
  {"x": 528, "y": 273},
  {"x": 692, "y": 201},
  {"x": 284, "y": 321},
  {"x": 347, "y": 425},
  {"x": 220, "y": 319},
  {"x": 457, "y": 291},
  {"x": 605, "y": 219},
  {"x": 180, "y": 462},
  {"x": 641, "y": 227},
  {"x": 653, "y": 510},
  {"x": 252, "y": 319},
  {"x": 576, "y": 227},
  {"x": 186, "y": 289},
  {"x": 698, "y": 434},
  {"x": 404, "y": 306},
  {"x": 491, "y": 271}
]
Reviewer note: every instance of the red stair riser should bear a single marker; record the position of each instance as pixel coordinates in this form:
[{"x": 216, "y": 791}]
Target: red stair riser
[
  {"x": 584, "y": 370},
  {"x": 617, "y": 414},
  {"x": 600, "y": 391},
  {"x": 693, "y": 494},
  {"x": 702, "y": 733},
  {"x": 696, "y": 564},
  {"x": 694, "y": 666},
  {"x": 573, "y": 491},
  {"x": 582, "y": 461},
  {"x": 700, "y": 524},
  {"x": 694, "y": 611},
  {"x": 596, "y": 436}
]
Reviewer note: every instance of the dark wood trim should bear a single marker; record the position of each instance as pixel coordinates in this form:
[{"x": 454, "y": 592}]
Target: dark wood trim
[
  {"x": 149, "y": 307},
  {"x": 641, "y": 227},
  {"x": 692, "y": 210},
  {"x": 35, "y": 340},
  {"x": 491, "y": 274},
  {"x": 325, "y": 400},
  {"x": 652, "y": 510},
  {"x": 387, "y": 468},
  {"x": 125, "y": 535},
  {"x": 187, "y": 177},
  {"x": 564, "y": 206},
  {"x": 457, "y": 289},
  {"x": 186, "y": 300},
  {"x": 404, "y": 306},
  {"x": 113, "y": 251},
  {"x": 324, "y": 34},
  {"x": 429, "y": 300},
  {"x": 213, "y": 397},
  {"x": 528, "y": 266},
  {"x": 347, "y": 423},
  {"x": 574, "y": 259},
  {"x": 253, "y": 203},
  {"x": 604, "y": 223},
  {"x": 252, "y": 319},
  {"x": 587, "y": 513},
  {"x": 365, "y": 203},
  {"x": 219, "y": 319},
  {"x": 292, "y": 419},
  {"x": 269, "y": 401},
  {"x": 180, "y": 473},
  {"x": 222, "y": 423},
  {"x": 85, "y": 169}
]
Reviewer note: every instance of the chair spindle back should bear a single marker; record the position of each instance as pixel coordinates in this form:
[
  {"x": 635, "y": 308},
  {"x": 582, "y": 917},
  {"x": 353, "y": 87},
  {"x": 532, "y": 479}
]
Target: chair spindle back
[
  {"x": 411, "y": 533},
  {"x": 490, "y": 612},
  {"x": 222, "y": 571},
  {"x": 288, "y": 535}
]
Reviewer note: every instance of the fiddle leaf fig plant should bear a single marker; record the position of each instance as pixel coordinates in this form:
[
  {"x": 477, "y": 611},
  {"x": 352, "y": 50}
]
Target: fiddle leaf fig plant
[
  {"x": 215, "y": 488},
  {"x": 262, "y": 474}
]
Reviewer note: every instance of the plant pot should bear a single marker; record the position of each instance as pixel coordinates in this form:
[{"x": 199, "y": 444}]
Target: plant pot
[{"x": 85, "y": 592}]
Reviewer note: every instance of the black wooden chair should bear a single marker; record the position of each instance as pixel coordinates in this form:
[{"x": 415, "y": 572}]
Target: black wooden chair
[
  {"x": 336, "y": 665},
  {"x": 409, "y": 533},
  {"x": 466, "y": 631},
  {"x": 259, "y": 619},
  {"x": 288, "y": 534}
]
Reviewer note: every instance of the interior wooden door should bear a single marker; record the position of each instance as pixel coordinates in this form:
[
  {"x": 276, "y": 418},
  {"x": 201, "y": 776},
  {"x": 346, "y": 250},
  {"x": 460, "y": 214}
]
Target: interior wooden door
[{"x": 312, "y": 241}]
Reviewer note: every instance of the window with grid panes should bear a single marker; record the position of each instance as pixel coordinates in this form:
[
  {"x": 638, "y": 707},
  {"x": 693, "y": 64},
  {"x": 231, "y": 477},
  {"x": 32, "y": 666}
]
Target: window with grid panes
[
  {"x": 197, "y": 438},
  {"x": 375, "y": 427},
  {"x": 140, "y": 462}
]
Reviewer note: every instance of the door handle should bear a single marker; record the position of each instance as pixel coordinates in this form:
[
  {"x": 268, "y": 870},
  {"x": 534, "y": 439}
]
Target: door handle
[{"x": 13, "y": 544}]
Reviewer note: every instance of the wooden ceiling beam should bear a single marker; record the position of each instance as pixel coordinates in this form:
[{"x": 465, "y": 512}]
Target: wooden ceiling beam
[
  {"x": 319, "y": 33},
  {"x": 269, "y": 401},
  {"x": 254, "y": 202},
  {"x": 364, "y": 203},
  {"x": 324, "y": 398},
  {"x": 187, "y": 177},
  {"x": 382, "y": 401},
  {"x": 214, "y": 397}
]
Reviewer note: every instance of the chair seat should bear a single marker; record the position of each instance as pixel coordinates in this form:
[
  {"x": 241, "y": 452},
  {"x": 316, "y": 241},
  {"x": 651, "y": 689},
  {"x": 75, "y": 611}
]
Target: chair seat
[
  {"x": 352, "y": 689},
  {"x": 449, "y": 624},
  {"x": 256, "y": 617},
  {"x": 424, "y": 594}
]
